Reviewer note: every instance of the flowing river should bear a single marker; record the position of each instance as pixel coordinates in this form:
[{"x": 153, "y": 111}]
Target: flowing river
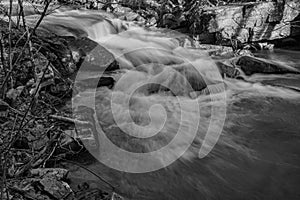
[{"x": 255, "y": 156}]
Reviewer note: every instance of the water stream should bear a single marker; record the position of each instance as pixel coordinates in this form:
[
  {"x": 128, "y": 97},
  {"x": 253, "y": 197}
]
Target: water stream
[{"x": 258, "y": 153}]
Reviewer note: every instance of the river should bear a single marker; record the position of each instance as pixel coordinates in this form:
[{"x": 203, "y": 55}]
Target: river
[{"x": 257, "y": 155}]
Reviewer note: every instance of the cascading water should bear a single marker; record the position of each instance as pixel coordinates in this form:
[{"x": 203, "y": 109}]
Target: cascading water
[{"x": 161, "y": 87}]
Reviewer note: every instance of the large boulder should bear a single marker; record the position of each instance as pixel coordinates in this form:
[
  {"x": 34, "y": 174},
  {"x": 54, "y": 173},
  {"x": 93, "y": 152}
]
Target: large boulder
[
  {"x": 251, "y": 65},
  {"x": 250, "y": 22}
]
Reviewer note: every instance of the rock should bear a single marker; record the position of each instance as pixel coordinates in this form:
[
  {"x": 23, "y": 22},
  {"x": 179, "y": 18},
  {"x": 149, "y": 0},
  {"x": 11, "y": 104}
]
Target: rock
[
  {"x": 69, "y": 54},
  {"x": 227, "y": 69},
  {"x": 125, "y": 13},
  {"x": 56, "y": 173},
  {"x": 70, "y": 143},
  {"x": 244, "y": 52},
  {"x": 259, "y": 46},
  {"x": 251, "y": 65},
  {"x": 93, "y": 58},
  {"x": 13, "y": 93},
  {"x": 250, "y": 22},
  {"x": 92, "y": 54},
  {"x": 44, "y": 184},
  {"x": 216, "y": 50},
  {"x": 56, "y": 189}
]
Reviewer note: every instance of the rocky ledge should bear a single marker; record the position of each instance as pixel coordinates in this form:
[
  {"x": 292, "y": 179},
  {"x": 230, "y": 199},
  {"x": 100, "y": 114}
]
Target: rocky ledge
[{"x": 249, "y": 22}]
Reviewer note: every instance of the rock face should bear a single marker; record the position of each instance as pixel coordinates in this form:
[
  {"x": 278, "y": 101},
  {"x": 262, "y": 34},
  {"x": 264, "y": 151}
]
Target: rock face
[{"x": 250, "y": 22}]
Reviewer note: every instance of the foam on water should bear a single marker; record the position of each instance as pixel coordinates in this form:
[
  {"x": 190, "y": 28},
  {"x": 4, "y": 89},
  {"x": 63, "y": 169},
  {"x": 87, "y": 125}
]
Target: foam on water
[
  {"x": 160, "y": 82},
  {"x": 159, "y": 88},
  {"x": 159, "y": 71}
]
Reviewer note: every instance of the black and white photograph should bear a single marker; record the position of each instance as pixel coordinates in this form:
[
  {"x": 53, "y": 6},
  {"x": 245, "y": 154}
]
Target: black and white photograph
[{"x": 149, "y": 99}]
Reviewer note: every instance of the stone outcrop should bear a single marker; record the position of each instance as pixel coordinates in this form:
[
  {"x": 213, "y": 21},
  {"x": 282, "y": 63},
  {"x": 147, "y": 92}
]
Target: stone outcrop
[{"x": 250, "y": 22}]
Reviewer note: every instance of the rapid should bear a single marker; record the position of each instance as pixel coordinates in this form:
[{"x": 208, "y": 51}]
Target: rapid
[{"x": 233, "y": 139}]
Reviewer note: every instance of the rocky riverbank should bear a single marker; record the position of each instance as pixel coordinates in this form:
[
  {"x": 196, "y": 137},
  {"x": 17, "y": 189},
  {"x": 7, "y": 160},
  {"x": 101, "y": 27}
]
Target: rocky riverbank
[
  {"x": 249, "y": 22},
  {"x": 36, "y": 120},
  {"x": 35, "y": 111}
]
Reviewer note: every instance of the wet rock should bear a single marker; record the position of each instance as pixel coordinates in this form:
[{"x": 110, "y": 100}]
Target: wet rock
[
  {"x": 93, "y": 60},
  {"x": 67, "y": 53},
  {"x": 251, "y": 65},
  {"x": 228, "y": 68},
  {"x": 70, "y": 54},
  {"x": 91, "y": 54}
]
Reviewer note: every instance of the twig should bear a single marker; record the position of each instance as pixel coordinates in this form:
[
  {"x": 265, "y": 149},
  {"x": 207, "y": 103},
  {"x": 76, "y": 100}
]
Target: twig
[
  {"x": 18, "y": 18},
  {"x": 41, "y": 156},
  {"x": 9, "y": 38},
  {"x": 23, "y": 48},
  {"x": 2, "y": 92},
  {"x": 14, "y": 65},
  {"x": 27, "y": 111},
  {"x": 12, "y": 109},
  {"x": 34, "y": 96},
  {"x": 20, "y": 39},
  {"x": 210, "y": 3},
  {"x": 27, "y": 32},
  {"x": 2, "y": 55},
  {"x": 3, "y": 176},
  {"x": 42, "y": 16},
  {"x": 70, "y": 120}
]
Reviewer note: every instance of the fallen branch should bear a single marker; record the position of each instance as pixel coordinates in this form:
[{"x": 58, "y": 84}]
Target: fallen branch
[{"x": 70, "y": 120}]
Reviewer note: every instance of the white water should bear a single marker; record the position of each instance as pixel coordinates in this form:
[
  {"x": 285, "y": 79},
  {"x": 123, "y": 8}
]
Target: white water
[{"x": 157, "y": 75}]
